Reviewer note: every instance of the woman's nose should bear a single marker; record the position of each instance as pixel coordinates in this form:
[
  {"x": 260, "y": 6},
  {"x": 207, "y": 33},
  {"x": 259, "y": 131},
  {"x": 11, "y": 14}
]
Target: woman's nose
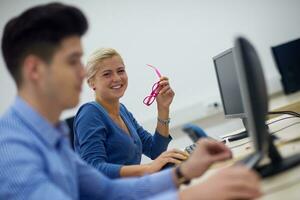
[{"x": 116, "y": 77}]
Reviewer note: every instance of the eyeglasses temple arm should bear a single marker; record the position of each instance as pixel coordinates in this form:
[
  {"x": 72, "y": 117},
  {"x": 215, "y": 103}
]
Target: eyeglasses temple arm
[{"x": 156, "y": 70}]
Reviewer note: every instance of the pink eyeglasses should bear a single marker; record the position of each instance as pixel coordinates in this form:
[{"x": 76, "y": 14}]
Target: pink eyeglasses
[{"x": 155, "y": 89}]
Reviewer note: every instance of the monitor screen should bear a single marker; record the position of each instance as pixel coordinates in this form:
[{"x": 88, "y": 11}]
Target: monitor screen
[
  {"x": 228, "y": 84},
  {"x": 287, "y": 58}
]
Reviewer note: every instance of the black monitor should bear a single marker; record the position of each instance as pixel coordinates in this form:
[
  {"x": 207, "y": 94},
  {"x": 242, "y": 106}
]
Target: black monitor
[
  {"x": 287, "y": 58},
  {"x": 255, "y": 103},
  {"x": 229, "y": 89}
]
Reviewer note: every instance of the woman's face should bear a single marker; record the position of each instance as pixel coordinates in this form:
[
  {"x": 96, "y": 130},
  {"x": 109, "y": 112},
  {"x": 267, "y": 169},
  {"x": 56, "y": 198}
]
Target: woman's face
[{"x": 111, "y": 79}]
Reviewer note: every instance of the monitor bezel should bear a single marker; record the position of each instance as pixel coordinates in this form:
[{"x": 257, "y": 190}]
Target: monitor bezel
[{"x": 248, "y": 65}]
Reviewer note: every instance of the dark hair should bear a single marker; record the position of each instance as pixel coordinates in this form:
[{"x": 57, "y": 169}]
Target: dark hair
[{"x": 39, "y": 31}]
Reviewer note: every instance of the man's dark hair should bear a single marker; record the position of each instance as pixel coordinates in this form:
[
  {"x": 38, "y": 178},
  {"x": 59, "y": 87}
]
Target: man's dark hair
[{"x": 39, "y": 31}]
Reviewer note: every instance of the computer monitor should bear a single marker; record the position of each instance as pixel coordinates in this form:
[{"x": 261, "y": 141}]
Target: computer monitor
[
  {"x": 228, "y": 84},
  {"x": 253, "y": 92},
  {"x": 287, "y": 58},
  {"x": 255, "y": 104},
  {"x": 229, "y": 89}
]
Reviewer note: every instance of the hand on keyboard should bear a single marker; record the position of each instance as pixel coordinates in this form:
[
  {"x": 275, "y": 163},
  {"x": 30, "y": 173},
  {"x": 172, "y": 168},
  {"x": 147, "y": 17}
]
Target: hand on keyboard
[
  {"x": 167, "y": 159},
  {"x": 189, "y": 149}
]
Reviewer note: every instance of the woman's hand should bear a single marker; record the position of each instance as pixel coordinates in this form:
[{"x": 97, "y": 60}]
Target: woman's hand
[
  {"x": 165, "y": 95},
  {"x": 171, "y": 156}
]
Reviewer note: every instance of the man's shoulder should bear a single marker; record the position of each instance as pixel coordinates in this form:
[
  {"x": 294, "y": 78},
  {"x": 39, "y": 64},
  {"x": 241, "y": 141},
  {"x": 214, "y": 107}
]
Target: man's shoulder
[
  {"x": 12, "y": 128},
  {"x": 9, "y": 121}
]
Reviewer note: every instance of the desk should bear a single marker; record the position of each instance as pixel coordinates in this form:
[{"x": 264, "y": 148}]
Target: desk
[
  {"x": 286, "y": 185},
  {"x": 279, "y": 102},
  {"x": 283, "y": 186}
]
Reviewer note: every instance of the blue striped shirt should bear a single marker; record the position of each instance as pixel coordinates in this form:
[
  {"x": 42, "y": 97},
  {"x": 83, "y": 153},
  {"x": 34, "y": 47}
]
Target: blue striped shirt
[{"x": 37, "y": 162}]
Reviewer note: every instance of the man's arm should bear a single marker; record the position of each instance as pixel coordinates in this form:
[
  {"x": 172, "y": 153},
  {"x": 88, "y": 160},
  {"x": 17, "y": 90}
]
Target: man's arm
[
  {"x": 22, "y": 175},
  {"x": 93, "y": 184}
]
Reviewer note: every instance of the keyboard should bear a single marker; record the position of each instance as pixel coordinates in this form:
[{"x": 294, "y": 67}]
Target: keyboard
[{"x": 190, "y": 148}]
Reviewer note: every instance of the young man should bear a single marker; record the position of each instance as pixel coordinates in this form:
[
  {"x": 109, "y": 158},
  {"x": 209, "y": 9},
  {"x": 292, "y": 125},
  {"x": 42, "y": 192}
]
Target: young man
[{"x": 42, "y": 50}]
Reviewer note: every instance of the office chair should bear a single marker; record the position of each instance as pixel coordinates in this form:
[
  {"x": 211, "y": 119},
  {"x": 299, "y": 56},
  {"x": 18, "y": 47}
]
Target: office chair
[
  {"x": 194, "y": 132},
  {"x": 69, "y": 122}
]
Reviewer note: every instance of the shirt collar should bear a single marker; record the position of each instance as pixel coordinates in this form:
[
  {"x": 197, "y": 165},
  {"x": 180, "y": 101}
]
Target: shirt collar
[{"x": 43, "y": 128}]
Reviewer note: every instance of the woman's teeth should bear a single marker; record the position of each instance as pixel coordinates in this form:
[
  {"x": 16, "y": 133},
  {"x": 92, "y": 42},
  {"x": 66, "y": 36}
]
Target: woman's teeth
[{"x": 116, "y": 86}]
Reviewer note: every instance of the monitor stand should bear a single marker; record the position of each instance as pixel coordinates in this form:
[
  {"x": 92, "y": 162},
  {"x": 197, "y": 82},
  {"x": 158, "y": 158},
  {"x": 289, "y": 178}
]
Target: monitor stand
[
  {"x": 240, "y": 135},
  {"x": 277, "y": 164}
]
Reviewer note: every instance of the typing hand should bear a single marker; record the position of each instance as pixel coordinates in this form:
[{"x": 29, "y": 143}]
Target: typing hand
[
  {"x": 206, "y": 153},
  {"x": 174, "y": 156},
  {"x": 237, "y": 182}
]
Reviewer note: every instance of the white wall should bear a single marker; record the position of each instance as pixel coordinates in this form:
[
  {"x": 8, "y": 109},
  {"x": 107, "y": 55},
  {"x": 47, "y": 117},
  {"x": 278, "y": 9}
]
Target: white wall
[{"x": 180, "y": 38}]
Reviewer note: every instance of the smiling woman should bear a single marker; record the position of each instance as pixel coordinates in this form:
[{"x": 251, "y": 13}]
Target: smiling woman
[{"x": 107, "y": 135}]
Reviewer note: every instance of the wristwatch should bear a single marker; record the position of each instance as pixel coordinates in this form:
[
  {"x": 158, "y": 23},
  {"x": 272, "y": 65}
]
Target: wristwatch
[
  {"x": 164, "y": 121},
  {"x": 180, "y": 177}
]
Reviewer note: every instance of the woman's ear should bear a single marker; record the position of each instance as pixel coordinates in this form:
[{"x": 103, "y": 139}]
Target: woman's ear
[{"x": 91, "y": 83}]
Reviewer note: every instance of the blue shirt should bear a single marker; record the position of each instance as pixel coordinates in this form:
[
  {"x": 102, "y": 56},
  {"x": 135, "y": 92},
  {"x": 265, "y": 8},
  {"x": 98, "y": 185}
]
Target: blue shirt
[
  {"x": 37, "y": 162},
  {"x": 103, "y": 144}
]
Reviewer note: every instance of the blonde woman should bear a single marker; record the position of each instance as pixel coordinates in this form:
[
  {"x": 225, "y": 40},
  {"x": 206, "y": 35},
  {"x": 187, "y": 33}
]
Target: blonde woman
[{"x": 107, "y": 136}]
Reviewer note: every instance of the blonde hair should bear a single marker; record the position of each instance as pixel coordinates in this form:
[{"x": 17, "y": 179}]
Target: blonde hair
[{"x": 97, "y": 57}]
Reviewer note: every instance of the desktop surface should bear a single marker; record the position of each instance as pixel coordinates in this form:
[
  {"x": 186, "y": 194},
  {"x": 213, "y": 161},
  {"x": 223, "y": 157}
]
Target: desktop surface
[{"x": 282, "y": 185}]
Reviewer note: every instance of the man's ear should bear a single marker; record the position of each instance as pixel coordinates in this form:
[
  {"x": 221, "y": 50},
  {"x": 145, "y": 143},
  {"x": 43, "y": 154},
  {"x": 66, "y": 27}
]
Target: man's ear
[{"x": 32, "y": 67}]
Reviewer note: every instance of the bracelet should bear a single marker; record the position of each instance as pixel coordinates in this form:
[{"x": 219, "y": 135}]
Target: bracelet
[
  {"x": 165, "y": 122},
  {"x": 180, "y": 177}
]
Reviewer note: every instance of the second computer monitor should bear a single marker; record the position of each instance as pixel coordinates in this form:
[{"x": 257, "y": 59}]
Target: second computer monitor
[
  {"x": 228, "y": 84},
  {"x": 287, "y": 57}
]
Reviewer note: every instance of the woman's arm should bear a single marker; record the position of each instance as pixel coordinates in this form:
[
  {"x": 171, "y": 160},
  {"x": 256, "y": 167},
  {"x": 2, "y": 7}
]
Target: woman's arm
[
  {"x": 134, "y": 170},
  {"x": 172, "y": 156},
  {"x": 154, "y": 145},
  {"x": 164, "y": 100}
]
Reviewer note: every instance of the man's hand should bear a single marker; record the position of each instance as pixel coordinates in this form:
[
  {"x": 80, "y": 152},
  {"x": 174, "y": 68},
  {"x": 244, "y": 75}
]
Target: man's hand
[
  {"x": 206, "y": 153},
  {"x": 236, "y": 182}
]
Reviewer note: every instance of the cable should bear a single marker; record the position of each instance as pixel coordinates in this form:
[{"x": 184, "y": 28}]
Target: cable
[
  {"x": 271, "y": 133},
  {"x": 281, "y": 119},
  {"x": 238, "y": 145},
  {"x": 295, "y": 123},
  {"x": 284, "y": 112},
  {"x": 293, "y": 115}
]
